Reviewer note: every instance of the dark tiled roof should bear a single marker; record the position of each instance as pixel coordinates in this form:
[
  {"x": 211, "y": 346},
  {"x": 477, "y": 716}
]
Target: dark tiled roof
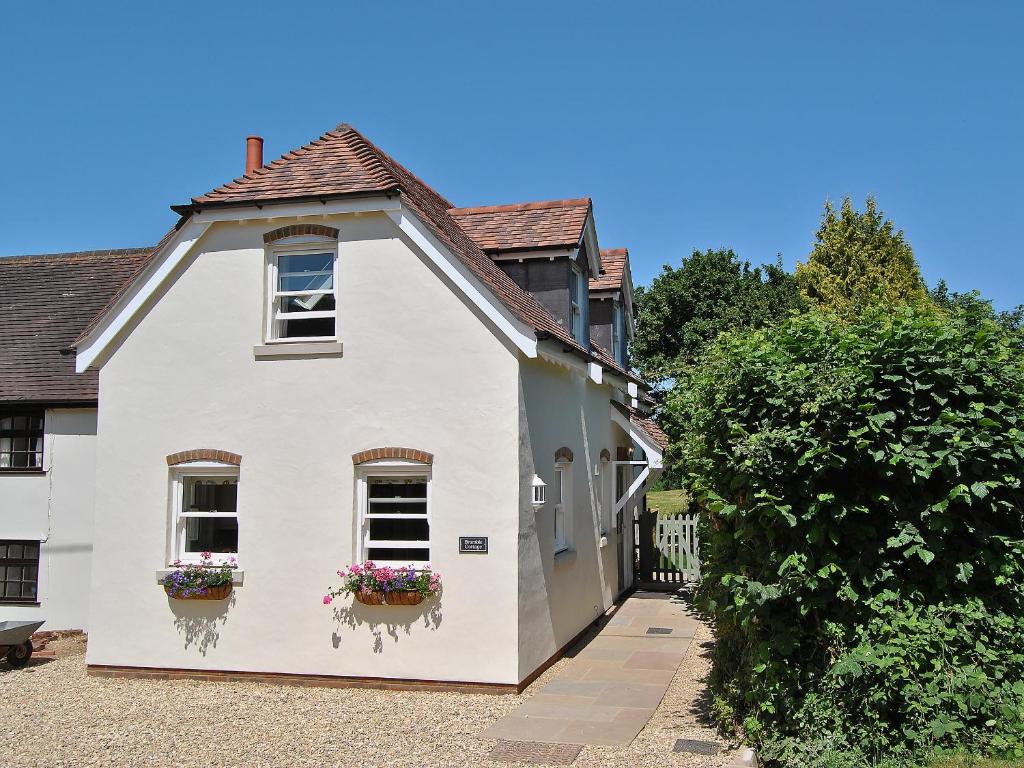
[
  {"x": 647, "y": 424},
  {"x": 525, "y": 226},
  {"x": 45, "y": 302},
  {"x": 613, "y": 266}
]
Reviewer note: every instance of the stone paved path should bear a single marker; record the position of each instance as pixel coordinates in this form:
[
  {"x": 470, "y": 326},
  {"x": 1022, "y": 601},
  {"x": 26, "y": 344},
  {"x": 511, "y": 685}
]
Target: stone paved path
[{"x": 608, "y": 691}]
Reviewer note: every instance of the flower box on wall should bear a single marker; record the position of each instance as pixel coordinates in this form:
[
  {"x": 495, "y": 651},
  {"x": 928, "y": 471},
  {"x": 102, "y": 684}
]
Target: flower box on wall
[
  {"x": 371, "y": 584},
  {"x": 219, "y": 592},
  {"x": 200, "y": 581}
]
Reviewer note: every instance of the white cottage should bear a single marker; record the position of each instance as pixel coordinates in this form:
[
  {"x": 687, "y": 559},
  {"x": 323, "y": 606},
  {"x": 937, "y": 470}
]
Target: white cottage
[
  {"x": 327, "y": 332},
  {"x": 48, "y": 431}
]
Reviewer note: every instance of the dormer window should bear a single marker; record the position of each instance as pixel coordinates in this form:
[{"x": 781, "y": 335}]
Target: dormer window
[
  {"x": 577, "y": 293},
  {"x": 302, "y": 292},
  {"x": 617, "y": 331}
]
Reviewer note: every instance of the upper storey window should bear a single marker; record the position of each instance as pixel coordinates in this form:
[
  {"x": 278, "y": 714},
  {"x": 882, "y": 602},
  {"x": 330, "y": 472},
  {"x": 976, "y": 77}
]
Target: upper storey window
[
  {"x": 21, "y": 440},
  {"x": 303, "y": 299},
  {"x": 577, "y": 294}
]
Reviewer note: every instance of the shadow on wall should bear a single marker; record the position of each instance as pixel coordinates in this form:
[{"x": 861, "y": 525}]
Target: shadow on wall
[
  {"x": 393, "y": 620},
  {"x": 200, "y": 621}
]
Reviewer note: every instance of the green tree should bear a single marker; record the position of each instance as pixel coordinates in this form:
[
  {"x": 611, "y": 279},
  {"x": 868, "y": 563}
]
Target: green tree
[
  {"x": 859, "y": 259},
  {"x": 973, "y": 303},
  {"x": 711, "y": 291}
]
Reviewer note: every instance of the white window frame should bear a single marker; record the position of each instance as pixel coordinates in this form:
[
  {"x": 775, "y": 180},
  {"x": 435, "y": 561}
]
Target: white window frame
[
  {"x": 406, "y": 469},
  {"x": 297, "y": 246},
  {"x": 577, "y": 301},
  {"x": 605, "y": 495},
  {"x": 178, "y": 516},
  {"x": 562, "y": 527}
]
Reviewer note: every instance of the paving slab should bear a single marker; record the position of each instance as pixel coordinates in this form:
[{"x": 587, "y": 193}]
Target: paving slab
[{"x": 608, "y": 691}]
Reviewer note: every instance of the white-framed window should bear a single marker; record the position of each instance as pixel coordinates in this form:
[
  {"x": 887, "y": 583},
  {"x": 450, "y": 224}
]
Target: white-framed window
[
  {"x": 394, "y": 514},
  {"x": 617, "y": 330},
  {"x": 605, "y": 500},
  {"x": 561, "y": 497},
  {"x": 577, "y": 294},
  {"x": 204, "y": 499},
  {"x": 302, "y": 291}
]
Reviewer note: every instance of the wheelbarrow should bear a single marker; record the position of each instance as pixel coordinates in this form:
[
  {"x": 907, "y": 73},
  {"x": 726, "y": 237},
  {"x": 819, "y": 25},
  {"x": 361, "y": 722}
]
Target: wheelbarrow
[{"x": 16, "y": 641}]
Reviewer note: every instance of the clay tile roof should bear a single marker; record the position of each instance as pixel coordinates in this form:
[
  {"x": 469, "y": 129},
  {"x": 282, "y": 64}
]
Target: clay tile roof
[
  {"x": 613, "y": 265},
  {"x": 338, "y": 163},
  {"x": 525, "y": 226},
  {"x": 45, "y": 302},
  {"x": 650, "y": 426}
]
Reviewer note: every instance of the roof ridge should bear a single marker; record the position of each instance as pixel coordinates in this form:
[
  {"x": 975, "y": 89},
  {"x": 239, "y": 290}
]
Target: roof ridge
[
  {"x": 615, "y": 251},
  {"x": 94, "y": 254},
  {"x": 577, "y": 202},
  {"x": 383, "y": 158}
]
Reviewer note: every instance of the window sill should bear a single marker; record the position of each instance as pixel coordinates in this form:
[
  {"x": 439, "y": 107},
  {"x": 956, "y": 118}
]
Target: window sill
[
  {"x": 20, "y": 471},
  {"x": 565, "y": 556},
  {"x": 236, "y": 576},
  {"x": 280, "y": 349},
  {"x": 18, "y": 603}
]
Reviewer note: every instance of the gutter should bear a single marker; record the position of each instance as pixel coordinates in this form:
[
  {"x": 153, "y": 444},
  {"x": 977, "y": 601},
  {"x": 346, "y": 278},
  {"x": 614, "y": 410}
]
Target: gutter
[
  {"x": 196, "y": 207},
  {"x": 590, "y": 358}
]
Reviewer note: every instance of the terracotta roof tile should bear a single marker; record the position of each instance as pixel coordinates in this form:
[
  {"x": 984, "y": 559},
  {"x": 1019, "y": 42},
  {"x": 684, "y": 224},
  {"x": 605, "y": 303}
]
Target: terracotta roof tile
[
  {"x": 525, "y": 226},
  {"x": 45, "y": 301},
  {"x": 613, "y": 266}
]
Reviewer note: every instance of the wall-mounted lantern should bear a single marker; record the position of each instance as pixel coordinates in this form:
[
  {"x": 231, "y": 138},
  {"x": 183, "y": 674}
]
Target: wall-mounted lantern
[{"x": 540, "y": 492}]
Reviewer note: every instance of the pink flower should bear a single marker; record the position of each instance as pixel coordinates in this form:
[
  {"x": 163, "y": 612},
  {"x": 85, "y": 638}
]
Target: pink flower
[
  {"x": 206, "y": 555},
  {"x": 328, "y": 599}
]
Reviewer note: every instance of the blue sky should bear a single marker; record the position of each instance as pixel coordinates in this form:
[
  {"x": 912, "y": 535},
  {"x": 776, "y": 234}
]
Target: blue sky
[{"x": 692, "y": 125}]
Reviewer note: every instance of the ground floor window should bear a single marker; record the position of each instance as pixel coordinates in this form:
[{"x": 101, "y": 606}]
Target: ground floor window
[
  {"x": 206, "y": 513},
  {"x": 19, "y": 571},
  {"x": 562, "y": 492},
  {"x": 395, "y": 515}
]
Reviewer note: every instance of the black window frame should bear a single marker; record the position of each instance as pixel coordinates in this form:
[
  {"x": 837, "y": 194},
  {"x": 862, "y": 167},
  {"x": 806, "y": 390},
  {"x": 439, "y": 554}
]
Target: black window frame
[
  {"x": 19, "y": 562},
  {"x": 39, "y": 434}
]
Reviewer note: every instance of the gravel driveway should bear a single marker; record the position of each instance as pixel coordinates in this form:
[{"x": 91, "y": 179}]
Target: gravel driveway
[{"x": 53, "y": 714}]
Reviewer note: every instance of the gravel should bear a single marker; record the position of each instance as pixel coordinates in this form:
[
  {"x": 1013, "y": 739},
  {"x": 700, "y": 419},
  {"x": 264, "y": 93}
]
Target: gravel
[{"x": 53, "y": 714}]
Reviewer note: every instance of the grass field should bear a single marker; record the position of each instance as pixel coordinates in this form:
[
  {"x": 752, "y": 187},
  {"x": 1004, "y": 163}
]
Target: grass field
[{"x": 667, "y": 502}]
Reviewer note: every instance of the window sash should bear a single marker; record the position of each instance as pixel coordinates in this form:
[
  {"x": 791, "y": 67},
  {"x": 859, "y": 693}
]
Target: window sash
[
  {"x": 276, "y": 318},
  {"x": 21, "y": 446},
  {"x": 182, "y": 483},
  {"x": 366, "y": 542},
  {"x": 561, "y": 539},
  {"x": 21, "y": 567}
]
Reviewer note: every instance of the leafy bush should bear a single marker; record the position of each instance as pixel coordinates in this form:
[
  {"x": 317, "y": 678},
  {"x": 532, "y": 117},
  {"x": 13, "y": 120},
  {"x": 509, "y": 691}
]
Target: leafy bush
[{"x": 862, "y": 535}]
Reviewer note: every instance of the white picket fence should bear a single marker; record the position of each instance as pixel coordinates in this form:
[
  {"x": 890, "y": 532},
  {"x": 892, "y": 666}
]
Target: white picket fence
[{"x": 678, "y": 549}]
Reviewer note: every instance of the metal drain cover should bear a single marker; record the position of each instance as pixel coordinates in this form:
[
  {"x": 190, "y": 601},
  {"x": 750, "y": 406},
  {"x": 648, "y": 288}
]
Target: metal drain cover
[
  {"x": 535, "y": 752},
  {"x": 696, "y": 747},
  {"x": 659, "y": 631}
]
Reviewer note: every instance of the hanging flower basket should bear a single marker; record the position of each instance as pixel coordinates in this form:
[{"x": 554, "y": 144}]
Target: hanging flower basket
[
  {"x": 370, "y": 598},
  {"x": 374, "y": 585},
  {"x": 219, "y": 592},
  {"x": 404, "y": 597},
  {"x": 199, "y": 581}
]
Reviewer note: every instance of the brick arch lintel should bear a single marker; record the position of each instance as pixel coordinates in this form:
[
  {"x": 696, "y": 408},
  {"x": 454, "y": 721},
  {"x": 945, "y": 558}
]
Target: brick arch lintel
[
  {"x": 563, "y": 454},
  {"x": 204, "y": 454},
  {"x": 294, "y": 230},
  {"x": 409, "y": 454},
  {"x": 606, "y": 455}
]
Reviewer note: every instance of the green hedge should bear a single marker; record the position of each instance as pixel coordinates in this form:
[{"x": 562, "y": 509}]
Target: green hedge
[{"x": 862, "y": 535}]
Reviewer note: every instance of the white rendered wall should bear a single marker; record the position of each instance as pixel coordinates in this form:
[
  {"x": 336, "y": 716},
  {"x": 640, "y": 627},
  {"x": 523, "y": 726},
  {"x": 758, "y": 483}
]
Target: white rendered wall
[
  {"x": 560, "y": 595},
  {"x": 56, "y": 508},
  {"x": 419, "y": 370}
]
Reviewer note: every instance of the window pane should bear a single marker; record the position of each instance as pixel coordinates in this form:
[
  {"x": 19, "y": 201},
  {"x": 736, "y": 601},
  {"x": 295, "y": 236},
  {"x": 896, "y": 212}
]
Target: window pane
[
  {"x": 14, "y": 551},
  {"x": 305, "y": 272},
  {"x": 402, "y": 529},
  {"x": 211, "y": 494},
  {"x": 558, "y": 486},
  {"x": 397, "y": 488},
  {"x": 13, "y": 589},
  {"x": 294, "y": 329},
  {"x": 398, "y": 554},
  {"x": 28, "y": 589},
  {"x": 215, "y": 534},
  {"x": 318, "y": 302}
]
